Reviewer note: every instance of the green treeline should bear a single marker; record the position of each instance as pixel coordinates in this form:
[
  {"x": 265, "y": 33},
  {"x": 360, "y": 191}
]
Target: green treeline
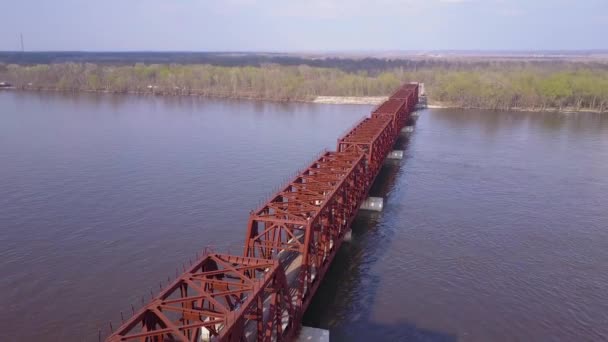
[{"x": 495, "y": 86}]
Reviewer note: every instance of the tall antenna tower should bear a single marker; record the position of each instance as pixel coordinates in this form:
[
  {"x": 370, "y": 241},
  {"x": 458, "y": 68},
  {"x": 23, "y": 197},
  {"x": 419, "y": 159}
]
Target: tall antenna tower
[{"x": 22, "y": 46}]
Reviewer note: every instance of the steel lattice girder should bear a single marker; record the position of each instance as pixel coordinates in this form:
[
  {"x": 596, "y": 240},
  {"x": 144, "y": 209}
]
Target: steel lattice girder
[
  {"x": 328, "y": 230},
  {"x": 310, "y": 216},
  {"x": 289, "y": 212},
  {"x": 413, "y": 87},
  {"x": 372, "y": 136},
  {"x": 396, "y": 109},
  {"x": 223, "y": 296},
  {"x": 408, "y": 92}
]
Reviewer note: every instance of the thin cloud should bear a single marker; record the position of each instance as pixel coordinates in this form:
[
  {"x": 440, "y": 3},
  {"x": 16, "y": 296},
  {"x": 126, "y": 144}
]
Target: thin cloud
[{"x": 335, "y": 9}]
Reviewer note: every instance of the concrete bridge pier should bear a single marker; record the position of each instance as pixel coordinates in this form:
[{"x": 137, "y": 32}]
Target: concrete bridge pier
[
  {"x": 309, "y": 334},
  {"x": 373, "y": 204},
  {"x": 395, "y": 155},
  {"x": 407, "y": 129}
]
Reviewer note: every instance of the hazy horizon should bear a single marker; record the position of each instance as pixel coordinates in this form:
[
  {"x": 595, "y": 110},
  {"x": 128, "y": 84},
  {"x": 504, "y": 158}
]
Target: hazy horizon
[
  {"x": 236, "y": 51},
  {"x": 314, "y": 26}
]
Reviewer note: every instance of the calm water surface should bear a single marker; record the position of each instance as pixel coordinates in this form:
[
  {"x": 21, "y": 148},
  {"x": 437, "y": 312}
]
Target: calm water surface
[{"x": 495, "y": 225}]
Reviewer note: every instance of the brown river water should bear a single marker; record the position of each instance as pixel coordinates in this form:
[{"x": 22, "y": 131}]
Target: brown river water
[{"x": 495, "y": 225}]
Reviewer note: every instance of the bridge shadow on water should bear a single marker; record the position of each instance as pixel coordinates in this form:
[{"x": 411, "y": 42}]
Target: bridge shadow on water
[{"x": 347, "y": 297}]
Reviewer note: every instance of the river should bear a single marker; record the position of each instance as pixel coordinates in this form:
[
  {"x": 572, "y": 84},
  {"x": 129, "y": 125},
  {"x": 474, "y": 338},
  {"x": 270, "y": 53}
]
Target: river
[{"x": 495, "y": 225}]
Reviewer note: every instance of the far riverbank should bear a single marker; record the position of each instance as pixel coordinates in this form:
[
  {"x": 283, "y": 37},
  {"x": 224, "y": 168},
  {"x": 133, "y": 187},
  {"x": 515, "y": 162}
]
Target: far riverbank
[
  {"x": 338, "y": 100},
  {"x": 546, "y": 87}
]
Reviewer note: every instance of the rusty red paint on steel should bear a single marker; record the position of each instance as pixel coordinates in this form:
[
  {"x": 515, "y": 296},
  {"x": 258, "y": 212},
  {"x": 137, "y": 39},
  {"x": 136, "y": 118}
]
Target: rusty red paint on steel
[
  {"x": 390, "y": 107},
  {"x": 290, "y": 243},
  {"x": 409, "y": 93},
  {"x": 413, "y": 87},
  {"x": 395, "y": 109},
  {"x": 403, "y": 95},
  {"x": 308, "y": 218},
  {"x": 372, "y": 137},
  {"x": 229, "y": 296},
  {"x": 405, "y": 90}
]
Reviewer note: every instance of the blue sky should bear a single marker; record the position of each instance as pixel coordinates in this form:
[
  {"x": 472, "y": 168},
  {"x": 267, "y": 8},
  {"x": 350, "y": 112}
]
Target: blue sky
[{"x": 304, "y": 25}]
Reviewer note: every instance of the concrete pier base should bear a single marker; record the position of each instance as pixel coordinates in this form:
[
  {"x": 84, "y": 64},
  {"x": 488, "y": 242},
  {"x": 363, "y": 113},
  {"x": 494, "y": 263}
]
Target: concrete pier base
[
  {"x": 396, "y": 154},
  {"x": 407, "y": 129},
  {"x": 373, "y": 204},
  {"x": 308, "y": 334}
]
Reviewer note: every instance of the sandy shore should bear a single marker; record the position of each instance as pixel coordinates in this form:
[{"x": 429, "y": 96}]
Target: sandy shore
[
  {"x": 369, "y": 100},
  {"x": 432, "y": 106},
  {"x": 339, "y": 100},
  {"x": 565, "y": 110}
]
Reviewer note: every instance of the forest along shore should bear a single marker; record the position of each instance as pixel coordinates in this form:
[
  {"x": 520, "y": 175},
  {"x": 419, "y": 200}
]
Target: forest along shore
[
  {"x": 337, "y": 100},
  {"x": 563, "y": 86}
]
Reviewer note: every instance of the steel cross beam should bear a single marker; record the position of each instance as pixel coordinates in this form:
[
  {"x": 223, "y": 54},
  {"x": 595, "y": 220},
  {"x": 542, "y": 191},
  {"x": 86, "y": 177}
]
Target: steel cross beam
[
  {"x": 395, "y": 109},
  {"x": 309, "y": 215},
  {"x": 220, "y": 296},
  {"x": 409, "y": 93},
  {"x": 373, "y": 137}
]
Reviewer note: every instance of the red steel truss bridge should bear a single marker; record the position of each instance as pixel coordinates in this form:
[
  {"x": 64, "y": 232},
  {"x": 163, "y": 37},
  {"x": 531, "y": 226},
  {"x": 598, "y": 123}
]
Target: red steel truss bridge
[{"x": 290, "y": 243}]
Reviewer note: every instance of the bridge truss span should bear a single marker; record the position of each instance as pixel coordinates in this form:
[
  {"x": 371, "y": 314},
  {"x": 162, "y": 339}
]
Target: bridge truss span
[
  {"x": 290, "y": 243},
  {"x": 304, "y": 223},
  {"x": 230, "y": 298}
]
